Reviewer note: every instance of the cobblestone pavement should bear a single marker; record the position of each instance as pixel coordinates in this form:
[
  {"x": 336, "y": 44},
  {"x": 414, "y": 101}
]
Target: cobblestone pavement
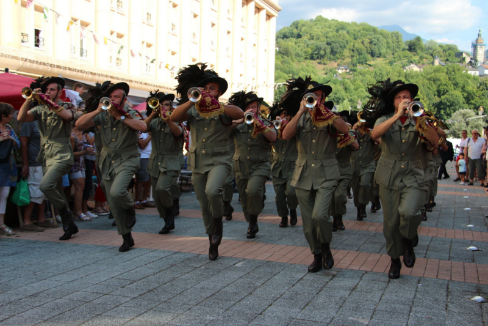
[{"x": 169, "y": 279}]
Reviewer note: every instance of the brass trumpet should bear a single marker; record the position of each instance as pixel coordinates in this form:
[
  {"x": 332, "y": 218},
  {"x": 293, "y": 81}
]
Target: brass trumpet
[
  {"x": 248, "y": 118},
  {"x": 311, "y": 100},
  {"x": 277, "y": 124},
  {"x": 153, "y": 102},
  {"x": 194, "y": 94},
  {"x": 28, "y": 93},
  {"x": 415, "y": 108},
  {"x": 106, "y": 104},
  {"x": 360, "y": 117}
]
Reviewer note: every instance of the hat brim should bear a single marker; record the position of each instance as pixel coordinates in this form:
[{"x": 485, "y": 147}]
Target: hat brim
[
  {"x": 123, "y": 86},
  {"x": 223, "y": 85},
  {"x": 326, "y": 90},
  {"x": 166, "y": 97},
  {"x": 257, "y": 99},
  {"x": 412, "y": 88},
  {"x": 53, "y": 80}
]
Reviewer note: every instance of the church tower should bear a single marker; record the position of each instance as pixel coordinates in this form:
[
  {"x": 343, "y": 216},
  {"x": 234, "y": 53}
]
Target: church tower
[{"x": 479, "y": 50}]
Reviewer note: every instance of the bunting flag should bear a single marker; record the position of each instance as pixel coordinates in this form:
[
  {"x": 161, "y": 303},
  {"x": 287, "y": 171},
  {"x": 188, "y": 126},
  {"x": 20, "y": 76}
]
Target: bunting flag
[
  {"x": 167, "y": 66},
  {"x": 58, "y": 18},
  {"x": 29, "y": 3},
  {"x": 105, "y": 41},
  {"x": 69, "y": 25},
  {"x": 16, "y": 2},
  {"x": 82, "y": 32},
  {"x": 120, "y": 49},
  {"x": 152, "y": 61},
  {"x": 95, "y": 38},
  {"x": 45, "y": 11},
  {"x": 132, "y": 53}
]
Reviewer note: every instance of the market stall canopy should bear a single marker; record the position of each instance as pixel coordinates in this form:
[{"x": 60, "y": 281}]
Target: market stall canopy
[{"x": 10, "y": 87}]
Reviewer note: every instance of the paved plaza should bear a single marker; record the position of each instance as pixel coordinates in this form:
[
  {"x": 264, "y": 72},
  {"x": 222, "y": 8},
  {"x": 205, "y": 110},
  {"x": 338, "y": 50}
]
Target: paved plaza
[{"x": 169, "y": 280}]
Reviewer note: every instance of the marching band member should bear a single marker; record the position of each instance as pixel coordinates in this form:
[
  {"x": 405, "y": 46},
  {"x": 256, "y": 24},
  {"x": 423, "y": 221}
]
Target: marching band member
[
  {"x": 119, "y": 158},
  {"x": 285, "y": 154},
  {"x": 346, "y": 145},
  {"x": 316, "y": 172},
  {"x": 252, "y": 139},
  {"x": 209, "y": 158},
  {"x": 400, "y": 172},
  {"x": 166, "y": 159},
  {"x": 55, "y": 119}
]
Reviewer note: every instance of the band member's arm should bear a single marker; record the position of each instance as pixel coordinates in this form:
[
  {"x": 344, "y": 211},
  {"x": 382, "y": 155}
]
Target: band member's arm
[
  {"x": 354, "y": 145},
  {"x": 441, "y": 133},
  {"x": 175, "y": 129},
  {"x": 270, "y": 135},
  {"x": 341, "y": 126},
  {"x": 180, "y": 114},
  {"x": 24, "y": 114},
  {"x": 135, "y": 124},
  {"x": 153, "y": 115},
  {"x": 25, "y": 157},
  {"x": 86, "y": 121},
  {"x": 431, "y": 135},
  {"x": 66, "y": 115},
  {"x": 383, "y": 127},
  {"x": 234, "y": 112},
  {"x": 144, "y": 142}
]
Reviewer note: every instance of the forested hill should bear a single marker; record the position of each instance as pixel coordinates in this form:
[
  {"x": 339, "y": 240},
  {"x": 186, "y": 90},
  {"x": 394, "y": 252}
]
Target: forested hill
[{"x": 317, "y": 46}]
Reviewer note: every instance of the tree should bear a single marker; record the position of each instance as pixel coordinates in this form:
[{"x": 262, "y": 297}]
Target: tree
[
  {"x": 416, "y": 45},
  {"x": 450, "y": 103},
  {"x": 457, "y": 123}
]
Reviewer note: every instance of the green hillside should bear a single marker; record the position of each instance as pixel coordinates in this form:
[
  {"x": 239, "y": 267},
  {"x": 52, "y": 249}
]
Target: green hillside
[{"x": 316, "y": 47}]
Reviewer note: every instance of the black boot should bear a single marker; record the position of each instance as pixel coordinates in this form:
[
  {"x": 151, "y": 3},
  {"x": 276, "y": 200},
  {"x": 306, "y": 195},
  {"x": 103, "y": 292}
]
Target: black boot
[
  {"x": 377, "y": 203},
  {"x": 395, "y": 267},
  {"x": 359, "y": 217},
  {"x": 69, "y": 226},
  {"x": 169, "y": 222},
  {"x": 228, "y": 210},
  {"x": 334, "y": 224},
  {"x": 176, "y": 206},
  {"x": 114, "y": 223},
  {"x": 110, "y": 216},
  {"x": 432, "y": 202},
  {"x": 130, "y": 217},
  {"x": 363, "y": 211},
  {"x": 373, "y": 208},
  {"x": 284, "y": 222},
  {"x": 293, "y": 217},
  {"x": 253, "y": 227},
  {"x": 339, "y": 223},
  {"x": 316, "y": 264},
  {"x": 215, "y": 239},
  {"x": 128, "y": 242},
  {"x": 428, "y": 208},
  {"x": 424, "y": 215},
  {"x": 408, "y": 253},
  {"x": 415, "y": 241},
  {"x": 349, "y": 195},
  {"x": 264, "y": 199},
  {"x": 327, "y": 259}
]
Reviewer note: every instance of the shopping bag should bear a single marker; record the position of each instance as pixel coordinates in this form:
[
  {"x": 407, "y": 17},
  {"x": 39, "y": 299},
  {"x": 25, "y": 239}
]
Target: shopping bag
[{"x": 21, "y": 196}]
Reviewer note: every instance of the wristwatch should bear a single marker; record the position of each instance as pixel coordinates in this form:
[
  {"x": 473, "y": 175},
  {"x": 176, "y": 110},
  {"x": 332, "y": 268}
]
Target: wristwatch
[{"x": 122, "y": 118}]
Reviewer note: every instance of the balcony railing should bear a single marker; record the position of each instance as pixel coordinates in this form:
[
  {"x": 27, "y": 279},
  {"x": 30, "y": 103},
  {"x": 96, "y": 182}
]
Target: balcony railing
[
  {"x": 73, "y": 50},
  {"x": 120, "y": 5},
  {"x": 118, "y": 62},
  {"x": 83, "y": 53},
  {"x": 148, "y": 17},
  {"x": 25, "y": 38},
  {"x": 39, "y": 42}
]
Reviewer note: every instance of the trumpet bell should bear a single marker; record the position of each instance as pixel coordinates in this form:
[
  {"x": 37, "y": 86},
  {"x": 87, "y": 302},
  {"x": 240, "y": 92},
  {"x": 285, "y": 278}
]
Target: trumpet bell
[
  {"x": 106, "y": 103},
  {"x": 153, "y": 102},
  {"x": 311, "y": 100},
  {"x": 194, "y": 94},
  {"x": 26, "y": 92},
  {"x": 248, "y": 118},
  {"x": 416, "y": 108},
  {"x": 277, "y": 124}
]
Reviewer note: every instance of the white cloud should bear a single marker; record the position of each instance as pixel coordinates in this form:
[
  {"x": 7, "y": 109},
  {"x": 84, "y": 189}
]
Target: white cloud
[
  {"x": 446, "y": 40},
  {"x": 342, "y": 14}
]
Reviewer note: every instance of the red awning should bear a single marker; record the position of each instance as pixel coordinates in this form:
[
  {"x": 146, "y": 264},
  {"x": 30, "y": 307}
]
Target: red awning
[
  {"x": 10, "y": 87},
  {"x": 140, "y": 107}
]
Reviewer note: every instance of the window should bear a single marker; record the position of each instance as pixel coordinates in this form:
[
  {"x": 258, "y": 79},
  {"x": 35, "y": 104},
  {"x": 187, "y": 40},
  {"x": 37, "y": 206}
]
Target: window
[
  {"x": 120, "y": 5},
  {"x": 39, "y": 40},
  {"x": 83, "y": 40},
  {"x": 118, "y": 62}
]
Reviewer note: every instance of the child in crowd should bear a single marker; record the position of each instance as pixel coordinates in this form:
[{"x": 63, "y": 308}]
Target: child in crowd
[{"x": 461, "y": 163}]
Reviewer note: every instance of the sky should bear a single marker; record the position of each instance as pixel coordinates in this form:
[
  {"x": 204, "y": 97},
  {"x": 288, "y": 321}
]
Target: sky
[{"x": 446, "y": 21}]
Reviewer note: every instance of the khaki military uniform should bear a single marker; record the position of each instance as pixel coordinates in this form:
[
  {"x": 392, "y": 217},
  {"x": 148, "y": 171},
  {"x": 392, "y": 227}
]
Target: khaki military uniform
[
  {"x": 315, "y": 180},
  {"x": 400, "y": 176},
  {"x": 209, "y": 159},
  {"x": 427, "y": 163},
  {"x": 363, "y": 167},
  {"x": 251, "y": 167},
  {"x": 282, "y": 166},
  {"x": 165, "y": 163},
  {"x": 228, "y": 190},
  {"x": 339, "y": 201},
  {"x": 119, "y": 161},
  {"x": 56, "y": 154},
  {"x": 435, "y": 165}
]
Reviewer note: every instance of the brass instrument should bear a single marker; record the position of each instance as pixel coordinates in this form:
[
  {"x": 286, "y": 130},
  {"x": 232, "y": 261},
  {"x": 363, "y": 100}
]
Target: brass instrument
[
  {"x": 248, "y": 118},
  {"x": 311, "y": 100},
  {"x": 360, "y": 117},
  {"x": 106, "y": 104},
  {"x": 415, "y": 108},
  {"x": 194, "y": 94},
  {"x": 265, "y": 112},
  {"x": 153, "y": 102},
  {"x": 277, "y": 124},
  {"x": 28, "y": 93}
]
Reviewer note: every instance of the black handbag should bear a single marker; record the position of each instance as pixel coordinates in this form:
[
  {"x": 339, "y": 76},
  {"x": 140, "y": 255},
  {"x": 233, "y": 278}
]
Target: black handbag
[{"x": 5, "y": 150}]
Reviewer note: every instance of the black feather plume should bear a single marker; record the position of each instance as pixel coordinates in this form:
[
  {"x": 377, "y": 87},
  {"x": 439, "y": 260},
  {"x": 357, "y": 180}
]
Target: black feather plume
[
  {"x": 96, "y": 93},
  {"x": 189, "y": 77},
  {"x": 238, "y": 99},
  {"x": 290, "y": 101}
]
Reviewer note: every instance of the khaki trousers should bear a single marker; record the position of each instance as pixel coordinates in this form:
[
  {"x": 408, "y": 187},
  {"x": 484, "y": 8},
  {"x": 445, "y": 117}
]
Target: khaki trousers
[
  {"x": 362, "y": 189},
  {"x": 401, "y": 215},
  {"x": 339, "y": 201},
  {"x": 315, "y": 208},
  {"x": 52, "y": 186},
  {"x": 208, "y": 187},
  {"x": 118, "y": 196},
  {"x": 228, "y": 190},
  {"x": 251, "y": 192},
  {"x": 286, "y": 196},
  {"x": 163, "y": 187}
]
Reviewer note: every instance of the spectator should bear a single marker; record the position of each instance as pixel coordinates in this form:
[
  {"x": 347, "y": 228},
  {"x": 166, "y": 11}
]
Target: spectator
[
  {"x": 89, "y": 165},
  {"x": 77, "y": 172},
  {"x": 8, "y": 169},
  {"x": 462, "y": 145},
  {"x": 461, "y": 163},
  {"x": 446, "y": 155},
  {"x": 472, "y": 151},
  {"x": 143, "y": 185},
  {"x": 75, "y": 94},
  {"x": 31, "y": 145}
]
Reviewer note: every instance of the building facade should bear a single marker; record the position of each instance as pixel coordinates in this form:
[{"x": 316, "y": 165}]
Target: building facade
[
  {"x": 142, "y": 42},
  {"x": 479, "y": 50}
]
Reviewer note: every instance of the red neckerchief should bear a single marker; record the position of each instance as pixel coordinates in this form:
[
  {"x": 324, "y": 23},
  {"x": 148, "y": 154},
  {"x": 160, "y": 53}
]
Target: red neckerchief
[{"x": 403, "y": 120}]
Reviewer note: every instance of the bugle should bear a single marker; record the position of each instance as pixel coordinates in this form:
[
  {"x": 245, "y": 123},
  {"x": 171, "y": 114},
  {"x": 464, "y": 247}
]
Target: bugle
[
  {"x": 106, "y": 103},
  {"x": 311, "y": 100},
  {"x": 415, "y": 108},
  {"x": 277, "y": 124},
  {"x": 194, "y": 94},
  {"x": 153, "y": 102},
  {"x": 248, "y": 118},
  {"x": 28, "y": 93}
]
